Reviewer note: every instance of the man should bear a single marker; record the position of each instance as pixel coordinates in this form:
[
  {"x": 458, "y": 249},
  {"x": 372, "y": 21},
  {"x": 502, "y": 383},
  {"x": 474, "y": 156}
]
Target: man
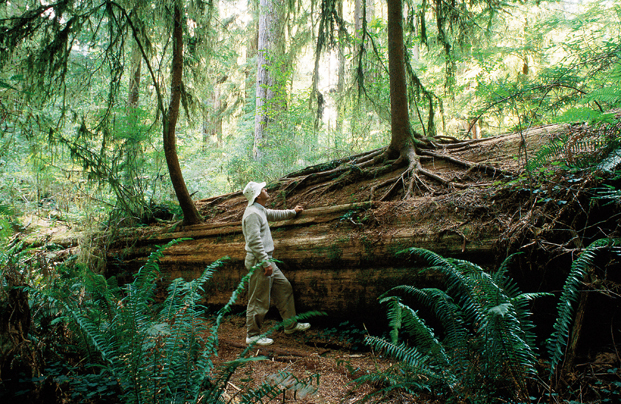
[{"x": 268, "y": 282}]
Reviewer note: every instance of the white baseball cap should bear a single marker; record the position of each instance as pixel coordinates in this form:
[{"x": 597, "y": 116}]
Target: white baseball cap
[{"x": 252, "y": 190}]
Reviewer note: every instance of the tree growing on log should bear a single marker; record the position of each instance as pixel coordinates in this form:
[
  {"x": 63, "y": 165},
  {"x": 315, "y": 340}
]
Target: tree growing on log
[
  {"x": 407, "y": 147},
  {"x": 190, "y": 213}
]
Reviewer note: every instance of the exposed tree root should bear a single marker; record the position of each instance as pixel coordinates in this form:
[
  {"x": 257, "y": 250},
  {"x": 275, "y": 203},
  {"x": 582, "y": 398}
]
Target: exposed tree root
[
  {"x": 409, "y": 179},
  {"x": 388, "y": 176},
  {"x": 484, "y": 168}
]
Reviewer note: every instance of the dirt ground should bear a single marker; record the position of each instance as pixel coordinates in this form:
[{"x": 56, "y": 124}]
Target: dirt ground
[
  {"x": 328, "y": 361},
  {"x": 321, "y": 366}
]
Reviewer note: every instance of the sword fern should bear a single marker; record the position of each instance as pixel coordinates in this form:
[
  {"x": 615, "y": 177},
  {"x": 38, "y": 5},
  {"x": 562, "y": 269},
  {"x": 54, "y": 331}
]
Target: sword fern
[
  {"x": 158, "y": 352},
  {"x": 485, "y": 344},
  {"x": 564, "y": 319}
]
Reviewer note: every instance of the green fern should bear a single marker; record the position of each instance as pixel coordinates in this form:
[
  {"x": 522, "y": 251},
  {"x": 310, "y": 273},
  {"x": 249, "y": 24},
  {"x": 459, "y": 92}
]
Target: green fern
[
  {"x": 579, "y": 268},
  {"x": 156, "y": 352},
  {"x": 160, "y": 353},
  {"x": 487, "y": 341},
  {"x": 418, "y": 376},
  {"x": 551, "y": 151}
]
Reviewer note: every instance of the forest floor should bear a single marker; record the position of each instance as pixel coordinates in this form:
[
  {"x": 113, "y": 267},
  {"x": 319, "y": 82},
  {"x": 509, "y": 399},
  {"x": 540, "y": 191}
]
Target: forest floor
[{"x": 319, "y": 366}]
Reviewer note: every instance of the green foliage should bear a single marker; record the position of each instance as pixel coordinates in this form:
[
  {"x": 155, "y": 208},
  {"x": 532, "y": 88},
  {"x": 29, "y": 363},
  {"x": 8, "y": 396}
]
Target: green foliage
[
  {"x": 585, "y": 148},
  {"x": 115, "y": 155},
  {"x": 94, "y": 340},
  {"x": 569, "y": 296},
  {"x": 156, "y": 352},
  {"x": 6, "y": 227},
  {"x": 345, "y": 334},
  {"x": 563, "y": 66},
  {"x": 64, "y": 81},
  {"x": 486, "y": 348}
]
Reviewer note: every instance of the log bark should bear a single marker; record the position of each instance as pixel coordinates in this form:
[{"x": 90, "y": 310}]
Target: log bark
[{"x": 335, "y": 261}]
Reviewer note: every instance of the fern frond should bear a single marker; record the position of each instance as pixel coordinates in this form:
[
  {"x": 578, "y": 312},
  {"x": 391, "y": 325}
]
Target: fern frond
[
  {"x": 397, "y": 377},
  {"x": 570, "y": 293},
  {"x": 99, "y": 341},
  {"x": 424, "y": 336},
  {"x": 149, "y": 272},
  {"x": 414, "y": 373},
  {"x": 393, "y": 313},
  {"x": 451, "y": 318},
  {"x": 456, "y": 276},
  {"x": 503, "y": 281},
  {"x": 549, "y": 152},
  {"x": 504, "y": 338},
  {"x": 408, "y": 355},
  {"x": 429, "y": 256}
]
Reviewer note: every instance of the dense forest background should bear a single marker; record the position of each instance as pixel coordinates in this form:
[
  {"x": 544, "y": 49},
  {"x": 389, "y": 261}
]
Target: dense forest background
[
  {"x": 85, "y": 89},
  {"x": 119, "y": 114}
]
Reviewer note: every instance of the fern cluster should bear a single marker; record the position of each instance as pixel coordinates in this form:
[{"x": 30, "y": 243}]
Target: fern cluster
[
  {"x": 486, "y": 348},
  {"x": 129, "y": 346},
  {"x": 156, "y": 352}
]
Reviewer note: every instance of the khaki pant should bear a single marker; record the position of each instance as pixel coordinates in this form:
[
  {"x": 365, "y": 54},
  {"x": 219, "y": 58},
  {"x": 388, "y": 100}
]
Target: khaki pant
[{"x": 261, "y": 289}]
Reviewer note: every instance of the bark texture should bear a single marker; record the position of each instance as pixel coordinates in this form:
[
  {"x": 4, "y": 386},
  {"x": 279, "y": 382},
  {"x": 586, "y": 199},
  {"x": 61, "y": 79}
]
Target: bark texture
[
  {"x": 190, "y": 213},
  {"x": 401, "y": 141},
  {"x": 269, "y": 44}
]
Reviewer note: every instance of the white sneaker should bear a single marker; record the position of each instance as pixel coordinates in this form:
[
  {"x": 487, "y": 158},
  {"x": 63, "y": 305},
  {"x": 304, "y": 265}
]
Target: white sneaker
[
  {"x": 259, "y": 341},
  {"x": 299, "y": 327}
]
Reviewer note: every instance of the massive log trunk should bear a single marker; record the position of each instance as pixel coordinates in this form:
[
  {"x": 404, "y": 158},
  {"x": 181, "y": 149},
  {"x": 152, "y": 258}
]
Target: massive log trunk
[
  {"x": 340, "y": 253},
  {"x": 337, "y": 258}
]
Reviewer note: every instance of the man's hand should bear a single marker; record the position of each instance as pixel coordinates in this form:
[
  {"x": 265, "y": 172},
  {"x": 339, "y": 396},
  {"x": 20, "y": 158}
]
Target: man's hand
[
  {"x": 298, "y": 209},
  {"x": 268, "y": 270}
]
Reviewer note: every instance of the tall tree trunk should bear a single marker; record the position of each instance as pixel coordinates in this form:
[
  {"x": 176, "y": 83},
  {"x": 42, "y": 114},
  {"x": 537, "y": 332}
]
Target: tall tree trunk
[
  {"x": 134, "y": 78},
  {"x": 270, "y": 12},
  {"x": 251, "y": 48},
  {"x": 370, "y": 10},
  {"x": 401, "y": 142},
  {"x": 212, "y": 117},
  {"x": 358, "y": 16},
  {"x": 341, "y": 75},
  {"x": 190, "y": 213},
  {"x": 132, "y": 147}
]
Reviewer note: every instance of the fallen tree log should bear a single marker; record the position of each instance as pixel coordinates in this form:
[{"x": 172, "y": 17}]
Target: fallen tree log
[
  {"x": 340, "y": 254},
  {"x": 336, "y": 262}
]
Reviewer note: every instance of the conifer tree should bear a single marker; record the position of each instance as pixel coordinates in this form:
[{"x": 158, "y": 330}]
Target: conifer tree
[{"x": 41, "y": 41}]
